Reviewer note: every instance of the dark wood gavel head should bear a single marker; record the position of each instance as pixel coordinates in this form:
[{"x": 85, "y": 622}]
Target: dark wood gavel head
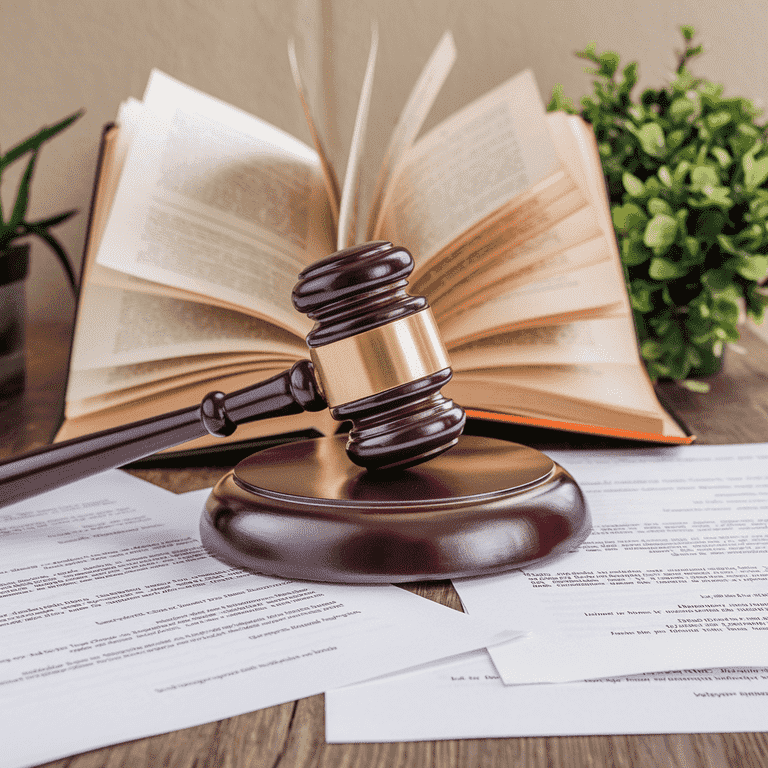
[{"x": 378, "y": 356}]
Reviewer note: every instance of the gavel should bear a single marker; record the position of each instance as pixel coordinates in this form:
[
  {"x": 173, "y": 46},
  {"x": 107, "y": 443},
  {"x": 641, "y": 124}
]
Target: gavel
[{"x": 376, "y": 360}]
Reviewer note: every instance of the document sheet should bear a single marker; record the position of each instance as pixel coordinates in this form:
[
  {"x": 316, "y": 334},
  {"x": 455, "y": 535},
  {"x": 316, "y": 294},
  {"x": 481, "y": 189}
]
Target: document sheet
[
  {"x": 673, "y": 577},
  {"x": 468, "y": 700},
  {"x": 674, "y": 574},
  {"x": 116, "y": 624}
]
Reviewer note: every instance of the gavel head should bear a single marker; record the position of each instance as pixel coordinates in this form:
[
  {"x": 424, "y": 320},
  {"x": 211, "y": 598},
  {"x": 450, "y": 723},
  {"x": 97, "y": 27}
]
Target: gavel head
[{"x": 378, "y": 356}]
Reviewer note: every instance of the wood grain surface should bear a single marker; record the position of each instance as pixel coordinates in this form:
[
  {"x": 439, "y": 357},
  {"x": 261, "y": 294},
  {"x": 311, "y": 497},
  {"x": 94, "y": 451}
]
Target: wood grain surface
[{"x": 292, "y": 735}]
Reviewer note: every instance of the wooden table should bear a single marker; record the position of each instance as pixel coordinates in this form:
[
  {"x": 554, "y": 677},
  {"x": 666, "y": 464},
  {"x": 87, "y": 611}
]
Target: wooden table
[{"x": 292, "y": 735}]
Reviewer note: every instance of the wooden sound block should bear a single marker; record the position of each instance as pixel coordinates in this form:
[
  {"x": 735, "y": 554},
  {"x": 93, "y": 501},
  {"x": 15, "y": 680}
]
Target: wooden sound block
[{"x": 304, "y": 511}]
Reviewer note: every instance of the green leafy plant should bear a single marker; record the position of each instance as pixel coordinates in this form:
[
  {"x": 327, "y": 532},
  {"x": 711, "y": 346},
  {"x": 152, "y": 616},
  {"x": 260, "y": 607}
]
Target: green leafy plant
[
  {"x": 686, "y": 172},
  {"x": 16, "y": 226}
]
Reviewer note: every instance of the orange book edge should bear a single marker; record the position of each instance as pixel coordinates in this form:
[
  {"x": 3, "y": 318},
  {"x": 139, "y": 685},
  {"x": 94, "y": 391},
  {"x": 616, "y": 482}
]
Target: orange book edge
[{"x": 583, "y": 428}]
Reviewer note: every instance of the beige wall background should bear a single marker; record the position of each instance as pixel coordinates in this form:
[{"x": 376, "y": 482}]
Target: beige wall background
[{"x": 61, "y": 55}]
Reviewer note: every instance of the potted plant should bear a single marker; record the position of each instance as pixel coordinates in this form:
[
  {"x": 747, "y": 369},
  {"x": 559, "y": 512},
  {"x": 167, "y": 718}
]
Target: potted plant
[
  {"x": 15, "y": 231},
  {"x": 686, "y": 172}
]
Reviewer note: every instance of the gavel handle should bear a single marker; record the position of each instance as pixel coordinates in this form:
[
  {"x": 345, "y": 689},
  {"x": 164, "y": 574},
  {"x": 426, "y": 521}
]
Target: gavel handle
[{"x": 290, "y": 392}]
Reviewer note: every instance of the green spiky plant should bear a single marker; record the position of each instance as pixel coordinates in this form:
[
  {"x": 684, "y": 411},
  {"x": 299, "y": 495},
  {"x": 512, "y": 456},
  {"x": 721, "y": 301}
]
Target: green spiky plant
[
  {"x": 16, "y": 227},
  {"x": 686, "y": 172}
]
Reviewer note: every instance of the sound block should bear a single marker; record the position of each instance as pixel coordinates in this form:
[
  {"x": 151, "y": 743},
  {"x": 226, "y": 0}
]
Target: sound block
[{"x": 304, "y": 511}]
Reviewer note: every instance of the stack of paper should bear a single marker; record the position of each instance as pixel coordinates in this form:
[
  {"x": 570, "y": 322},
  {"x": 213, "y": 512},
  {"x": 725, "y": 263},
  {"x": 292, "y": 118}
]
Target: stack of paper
[
  {"x": 673, "y": 577},
  {"x": 107, "y": 598}
]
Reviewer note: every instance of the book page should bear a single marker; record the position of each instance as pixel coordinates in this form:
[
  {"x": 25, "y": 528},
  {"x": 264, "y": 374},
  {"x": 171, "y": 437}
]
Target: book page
[
  {"x": 111, "y": 278},
  {"x": 468, "y": 167},
  {"x": 309, "y": 424},
  {"x": 116, "y": 144},
  {"x": 577, "y": 146},
  {"x": 599, "y": 394},
  {"x": 472, "y": 295},
  {"x": 409, "y": 124},
  {"x": 503, "y": 254},
  {"x": 108, "y": 388},
  {"x": 137, "y": 380},
  {"x": 608, "y": 340},
  {"x": 348, "y": 208},
  {"x": 590, "y": 290},
  {"x": 533, "y": 214},
  {"x": 329, "y": 174},
  {"x": 129, "y": 381},
  {"x": 129, "y": 327},
  {"x": 673, "y": 575},
  {"x": 214, "y": 201}
]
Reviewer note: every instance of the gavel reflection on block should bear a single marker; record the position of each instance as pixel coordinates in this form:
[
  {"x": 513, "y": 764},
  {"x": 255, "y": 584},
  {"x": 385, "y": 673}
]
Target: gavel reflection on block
[{"x": 302, "y": 510}]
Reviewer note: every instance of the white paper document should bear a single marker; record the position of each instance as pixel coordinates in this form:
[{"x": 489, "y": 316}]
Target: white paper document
[
  {"x": 116, "y": 624},
  {"x": 673, "y": 576},
  {"x": 467, "y": 700}
]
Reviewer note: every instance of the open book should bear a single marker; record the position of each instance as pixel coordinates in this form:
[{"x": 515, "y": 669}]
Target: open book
[{"x": 203, "y": 217}]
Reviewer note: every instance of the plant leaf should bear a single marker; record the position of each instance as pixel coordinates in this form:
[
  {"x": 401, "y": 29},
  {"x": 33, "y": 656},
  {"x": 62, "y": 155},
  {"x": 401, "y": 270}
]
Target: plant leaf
[
  {"x": 659, "y": 205},
  {"x": 665, "y": 176},
  {"x": 632, "y": 184},
  {"x": 703, "y": 176},
  {"x": 53, "y": 221},
  {"x": 57, "y": 248},
  {"x": 718, "y": 119},
  {"x": 633, "y": 252},
  {"x": 628, "y": 217},
  {"x": 652, "y": 139},
  {"x": 640, "y": 297},
  {"x": 651, "y": 349},
  {"x": 609, "y": 63},
  {"x": 630, "y": 76},
  {"x": 753, "y": 267},
  {"x": 560, "y": 102},
  {"x": 716, "y": 280},
  {"x": 660, "y": 232},
  {"x": 22, "y": 196},
  {"x": 719, "y": 196},
  {"x": 701, "y": 387},
  {"x": 681, "y": 107},
  {"x": 755, "y": 171},
  {"x": 33, "y": 142},
  {"x": 663, "y": 269},
  {"x": 681, "y": 171},
  {"x": 8, "y": 234},
  {"x": 709, "y": 224},
  {"x": 692, "y": 246},
  {"x": 687, "y": 32},
  {"x": 722, "y": 156}
]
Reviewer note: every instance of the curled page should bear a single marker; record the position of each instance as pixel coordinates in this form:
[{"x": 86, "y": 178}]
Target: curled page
[
  {"x": 214, "y": 201},
  {"x": 348, "y": 210},
  {"x": 488, "y": 154},
  {"x": 408, "y": 126},
  {"x": 329, "y": 175}
]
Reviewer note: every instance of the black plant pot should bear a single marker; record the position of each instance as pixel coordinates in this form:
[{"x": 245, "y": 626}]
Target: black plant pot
[{"x": 14, "y": 265}]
